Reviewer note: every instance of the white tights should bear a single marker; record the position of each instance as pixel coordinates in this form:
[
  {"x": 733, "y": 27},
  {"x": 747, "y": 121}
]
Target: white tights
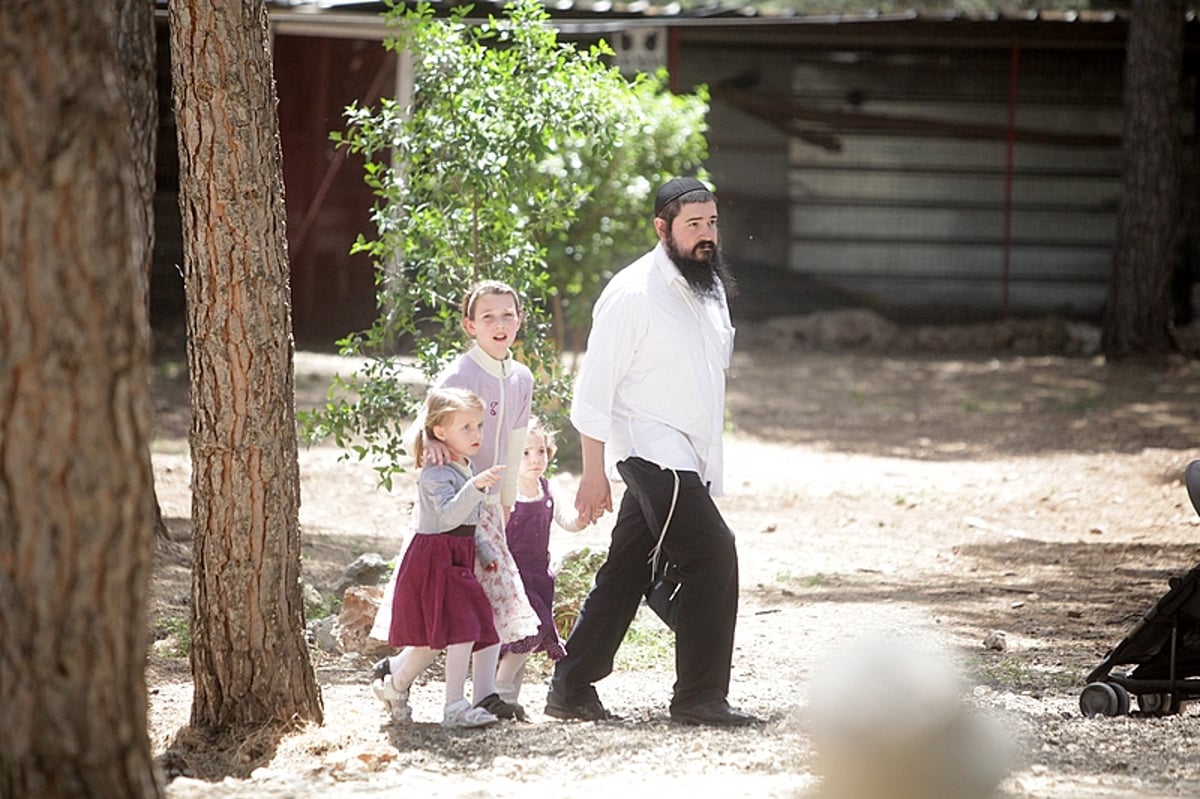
[
  {"x": 458, "y": 658},
  {"x": 510, "y": 674},
  {"x": 483, "y": 671},
  {"x": 407, "y": 665}
]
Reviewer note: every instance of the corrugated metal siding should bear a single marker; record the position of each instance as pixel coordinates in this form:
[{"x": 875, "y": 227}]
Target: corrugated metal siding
[
  {"x": 748, "y": 157},
  {"x": 912, "y": 213}
]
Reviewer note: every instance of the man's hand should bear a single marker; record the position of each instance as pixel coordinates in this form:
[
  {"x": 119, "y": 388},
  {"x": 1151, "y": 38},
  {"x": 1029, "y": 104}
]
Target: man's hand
[{"x": 594, "y": 497}]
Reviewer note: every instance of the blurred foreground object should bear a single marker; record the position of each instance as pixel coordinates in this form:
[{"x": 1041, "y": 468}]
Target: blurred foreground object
[{"x": 888, "y": 719}]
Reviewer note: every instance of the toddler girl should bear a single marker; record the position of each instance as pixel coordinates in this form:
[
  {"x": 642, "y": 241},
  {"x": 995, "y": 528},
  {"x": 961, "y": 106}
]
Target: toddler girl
[
  {"x": 438, "y": 602},
  {"x": 528, "y": 535}
]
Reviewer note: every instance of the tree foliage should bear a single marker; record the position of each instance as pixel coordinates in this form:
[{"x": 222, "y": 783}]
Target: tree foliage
[
  {"x": 664, "y": 137},
  {"x": 517, "y": 158}
]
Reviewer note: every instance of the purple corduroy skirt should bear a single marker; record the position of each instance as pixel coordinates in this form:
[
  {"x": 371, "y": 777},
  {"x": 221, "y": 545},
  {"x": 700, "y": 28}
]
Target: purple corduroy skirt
[{"x": 438, "y": 601}]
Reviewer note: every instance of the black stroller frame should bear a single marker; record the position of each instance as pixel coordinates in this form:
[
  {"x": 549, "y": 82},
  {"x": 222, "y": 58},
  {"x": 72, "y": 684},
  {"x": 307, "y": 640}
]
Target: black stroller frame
[{"x": 1158, "y": 664}]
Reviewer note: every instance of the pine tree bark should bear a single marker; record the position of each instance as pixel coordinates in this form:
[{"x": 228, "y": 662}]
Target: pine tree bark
[
  {"x": 249, "y": 656},
  {"x": 1137, "y": 317},
  {"x": 135, "y": 41},
  {"x": 137, "y": 65},
  {"x": 76, "y": 484}
]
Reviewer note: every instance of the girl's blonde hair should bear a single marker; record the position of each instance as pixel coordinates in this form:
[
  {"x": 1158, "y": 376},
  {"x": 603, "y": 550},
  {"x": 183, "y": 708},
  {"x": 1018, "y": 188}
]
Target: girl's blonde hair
[
  {"x": 536, "y": 425},
  {"x": 487, "y": 287},
  {"x": 440, "y": 405}
]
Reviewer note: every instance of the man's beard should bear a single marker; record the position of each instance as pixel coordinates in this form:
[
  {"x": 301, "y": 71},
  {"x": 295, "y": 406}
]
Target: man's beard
[{"x": 704, "y": 268}]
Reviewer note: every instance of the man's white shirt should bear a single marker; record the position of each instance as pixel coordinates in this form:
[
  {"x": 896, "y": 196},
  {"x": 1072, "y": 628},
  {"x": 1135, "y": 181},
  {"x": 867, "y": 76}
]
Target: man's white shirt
[{"x": 652, "y": 382}]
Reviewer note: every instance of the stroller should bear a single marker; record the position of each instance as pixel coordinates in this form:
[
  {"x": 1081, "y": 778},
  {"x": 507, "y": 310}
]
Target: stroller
[{"x": 1159, "y": 660}]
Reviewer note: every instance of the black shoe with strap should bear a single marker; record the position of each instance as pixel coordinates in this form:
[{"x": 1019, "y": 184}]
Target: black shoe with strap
[{"x": 493, "y": 704}]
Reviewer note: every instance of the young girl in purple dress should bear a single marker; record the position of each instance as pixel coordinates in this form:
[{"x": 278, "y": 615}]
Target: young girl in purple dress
[{"x": 528, "y": 535}]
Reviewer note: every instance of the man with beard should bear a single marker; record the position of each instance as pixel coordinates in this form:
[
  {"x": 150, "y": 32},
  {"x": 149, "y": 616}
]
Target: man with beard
[{"x": 649, "y": 404}]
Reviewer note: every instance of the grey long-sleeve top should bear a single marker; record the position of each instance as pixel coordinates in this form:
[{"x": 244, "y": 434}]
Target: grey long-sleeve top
[{"x": 446, "y": 498}]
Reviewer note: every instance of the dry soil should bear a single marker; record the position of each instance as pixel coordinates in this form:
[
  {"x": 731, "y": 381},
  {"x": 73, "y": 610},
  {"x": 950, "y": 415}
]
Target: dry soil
[{"x": 893, "y": 497}]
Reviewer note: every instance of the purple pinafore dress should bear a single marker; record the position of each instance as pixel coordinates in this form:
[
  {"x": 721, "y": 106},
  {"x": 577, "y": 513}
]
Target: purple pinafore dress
[{"x": 528, "y": 535}]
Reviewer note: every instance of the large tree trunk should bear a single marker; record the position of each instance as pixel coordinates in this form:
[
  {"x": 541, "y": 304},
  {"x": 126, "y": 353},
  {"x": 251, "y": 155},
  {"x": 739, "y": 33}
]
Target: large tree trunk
[
  {"x": 136, "y": 45},
  {"x": 1137, "y": 317},
  {"x": 76, "y": 485},
  {"x": 249, "y": 657}
]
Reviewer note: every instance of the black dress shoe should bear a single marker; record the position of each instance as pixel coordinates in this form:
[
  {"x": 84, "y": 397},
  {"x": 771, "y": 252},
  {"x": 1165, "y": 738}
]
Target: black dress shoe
[
  {"x": 381, "y": 669},
  {"x": 717, "y": 713},
  {"x": 493, "y": 704},
  {"x": 584, "y": 708}
]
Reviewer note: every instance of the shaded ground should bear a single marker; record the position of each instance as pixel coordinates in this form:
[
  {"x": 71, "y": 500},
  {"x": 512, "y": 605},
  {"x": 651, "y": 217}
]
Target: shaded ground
[{"x": 939, "y": 498}]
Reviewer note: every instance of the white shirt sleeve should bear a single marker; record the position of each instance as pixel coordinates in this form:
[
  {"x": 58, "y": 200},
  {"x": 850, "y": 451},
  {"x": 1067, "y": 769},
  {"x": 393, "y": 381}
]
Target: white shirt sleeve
[{"x": 617, "y": 329}]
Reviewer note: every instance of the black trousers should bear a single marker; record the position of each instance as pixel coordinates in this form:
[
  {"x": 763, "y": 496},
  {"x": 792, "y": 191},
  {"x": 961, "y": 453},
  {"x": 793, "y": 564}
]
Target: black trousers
[{"x": 700, "y": 543}]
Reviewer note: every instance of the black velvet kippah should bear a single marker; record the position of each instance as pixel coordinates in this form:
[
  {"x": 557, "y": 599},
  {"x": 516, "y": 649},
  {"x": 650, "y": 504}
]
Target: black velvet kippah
[{"x": 673, "y": 189}]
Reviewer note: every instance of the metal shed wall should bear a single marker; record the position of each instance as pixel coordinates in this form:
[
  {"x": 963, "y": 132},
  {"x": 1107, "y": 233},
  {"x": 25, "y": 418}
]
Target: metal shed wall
[{"x": 982, "y": 181}]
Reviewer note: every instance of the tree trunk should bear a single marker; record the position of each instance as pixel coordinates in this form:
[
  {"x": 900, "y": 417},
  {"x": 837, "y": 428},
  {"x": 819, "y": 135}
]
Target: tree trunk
[
  {"x": 135, "y": 42},
  {"x": 1137, "y": 317},
  {"x": 136, "y": 45},
  {"x": 249, "y": 656},
  {"x": 76, "y": 498}
]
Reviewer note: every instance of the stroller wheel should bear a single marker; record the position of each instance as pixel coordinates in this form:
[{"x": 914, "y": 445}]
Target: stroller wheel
[
  {"x": 1123, "y": 700},
  {"x": 1191, "y": 479},
  {"x": 1101, "y": 699},
  {"x": 1158, "y": 704}
]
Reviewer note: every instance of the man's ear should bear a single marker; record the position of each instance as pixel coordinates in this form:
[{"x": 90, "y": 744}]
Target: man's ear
[{"x": 660, "y": 227}]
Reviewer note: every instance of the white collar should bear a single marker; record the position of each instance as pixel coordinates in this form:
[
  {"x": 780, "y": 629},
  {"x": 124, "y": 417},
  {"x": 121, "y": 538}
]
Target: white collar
[{"x": 490, "y": 364}]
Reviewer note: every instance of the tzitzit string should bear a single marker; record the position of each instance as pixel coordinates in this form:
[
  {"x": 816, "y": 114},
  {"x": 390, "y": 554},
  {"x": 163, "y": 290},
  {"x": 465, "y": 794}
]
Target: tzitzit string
[{"x": 657, "y": 551}]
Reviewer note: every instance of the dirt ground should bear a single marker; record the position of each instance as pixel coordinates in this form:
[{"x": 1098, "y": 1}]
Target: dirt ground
[{"x": 895, "y": 498}]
